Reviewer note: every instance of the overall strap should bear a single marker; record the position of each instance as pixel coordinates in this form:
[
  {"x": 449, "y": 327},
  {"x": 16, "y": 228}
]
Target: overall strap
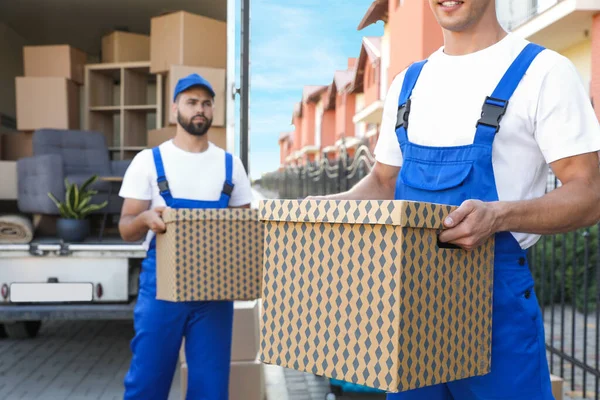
[
  {"x": 410, "y": 80},
  {"x": 163, "y": 184},
  {"x": 495, "y": 105},
  {"x": 228, "y": 185}
]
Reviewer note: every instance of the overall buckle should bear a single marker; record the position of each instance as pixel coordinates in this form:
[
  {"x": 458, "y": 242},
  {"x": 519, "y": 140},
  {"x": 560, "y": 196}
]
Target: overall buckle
[
  {"x": 402, "y": 116},
  {"x": 163, "y": 186},
  {"x": 227, "y": 189},
  {"x": 492, "y": 113}
]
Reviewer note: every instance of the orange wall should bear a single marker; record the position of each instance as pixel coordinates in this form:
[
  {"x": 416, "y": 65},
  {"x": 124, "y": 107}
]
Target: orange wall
[
  {"x": 371, "y": 82},
  {"x": 284, "y": 150},
  {"x": 297, "y": 135},
  {"x": 328, "y": 129},
  {"x": 308, "y": 125},
  {"x": 414, "y": 20},
  {"x": 344, "y": 110}
]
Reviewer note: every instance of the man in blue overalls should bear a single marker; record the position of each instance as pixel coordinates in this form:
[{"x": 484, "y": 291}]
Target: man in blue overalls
[
  {"x": 187, "y": 171},
  {"x": 476, "y": 125}
]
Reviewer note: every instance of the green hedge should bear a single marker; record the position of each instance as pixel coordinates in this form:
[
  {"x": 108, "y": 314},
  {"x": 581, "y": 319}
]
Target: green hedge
[{"x": 571, "y": 248}]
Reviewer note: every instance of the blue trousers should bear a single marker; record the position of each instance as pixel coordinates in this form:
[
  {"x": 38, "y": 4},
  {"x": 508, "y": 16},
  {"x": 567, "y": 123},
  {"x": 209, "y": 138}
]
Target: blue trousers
[{"x": 159, "y": 329}]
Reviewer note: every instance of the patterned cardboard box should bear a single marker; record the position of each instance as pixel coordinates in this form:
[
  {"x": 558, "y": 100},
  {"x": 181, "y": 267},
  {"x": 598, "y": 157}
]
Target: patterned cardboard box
[
  {"x": 361, "y": 291},
  {"x": 210, "y": 254}
]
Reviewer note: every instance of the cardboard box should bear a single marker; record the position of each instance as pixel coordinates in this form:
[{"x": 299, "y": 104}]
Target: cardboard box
[
  {"x": 157, "y": 136},
  {"x": 120, "y": 47},
  {"x": 246, "y": 381},
  {"x": 47, "y": 103},
  {"x": 216, "y": 135},
  {"x": 62, "y": 61},
  {"x": 216, "y": 77},
  {"x": 245, "y": 335},
  {"x": 209, "y": 254},
  {"x": 16, "y": 145},
  {"x": 361, "y": 291},
  {"x": 557, "y": 387},
  {"x": 8, "y": 188},
  {"x": 181, "y": 38}
]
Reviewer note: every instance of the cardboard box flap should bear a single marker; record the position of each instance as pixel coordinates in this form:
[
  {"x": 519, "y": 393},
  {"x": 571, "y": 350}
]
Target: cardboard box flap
[
  {"x": 372, "y": 212},
  {"x": 171, "y": 215}
]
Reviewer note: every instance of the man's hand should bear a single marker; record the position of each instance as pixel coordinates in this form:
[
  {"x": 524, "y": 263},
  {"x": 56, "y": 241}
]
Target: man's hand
[
  {"x": 154, "y": 221},
  {"x": 470, "y": 225}
]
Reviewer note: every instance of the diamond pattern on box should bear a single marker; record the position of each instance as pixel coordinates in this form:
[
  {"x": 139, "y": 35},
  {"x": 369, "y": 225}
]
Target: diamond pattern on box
[
  {"x": 360, "y": 291},
  {"x": 210, "y": 254}
]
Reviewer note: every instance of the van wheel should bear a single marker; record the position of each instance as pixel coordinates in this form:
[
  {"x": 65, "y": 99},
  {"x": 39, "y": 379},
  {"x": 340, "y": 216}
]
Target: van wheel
[
  {"x": 2, "y": 332},
  {"x": 22, "y": 329}
]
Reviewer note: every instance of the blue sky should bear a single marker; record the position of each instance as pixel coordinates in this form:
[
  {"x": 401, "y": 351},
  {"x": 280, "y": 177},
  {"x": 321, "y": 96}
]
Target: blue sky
[{"x": 295, "y": 43}]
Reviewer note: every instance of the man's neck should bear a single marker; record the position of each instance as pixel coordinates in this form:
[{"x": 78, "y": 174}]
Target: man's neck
[
  {"x": 476, "y": 38},
  {"x": 189, "y": 142}
]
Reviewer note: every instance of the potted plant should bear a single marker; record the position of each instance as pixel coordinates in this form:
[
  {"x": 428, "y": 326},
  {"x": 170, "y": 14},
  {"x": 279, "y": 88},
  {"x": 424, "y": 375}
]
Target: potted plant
[{"x": 73, "y": 226}]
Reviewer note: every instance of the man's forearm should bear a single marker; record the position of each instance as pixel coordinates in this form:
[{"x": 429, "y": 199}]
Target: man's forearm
[
  {"x": 133, "y": 228},
  {"x": 567, "y": 208}
]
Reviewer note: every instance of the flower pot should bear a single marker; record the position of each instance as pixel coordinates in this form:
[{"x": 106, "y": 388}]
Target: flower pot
[{"x": 73, "y": 230}]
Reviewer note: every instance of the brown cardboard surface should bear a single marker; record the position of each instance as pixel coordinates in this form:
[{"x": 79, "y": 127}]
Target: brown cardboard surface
[
  {"x": 216, "y": 135},
  {"x": 54, "y": 61},
  {"x": 246, "y": 331},
  {"x": 158, "y": 136},
  {"x": 209, "y": 254},
  {"x": 8, "y": 188},
  {"x": 557, "y": 387},
  {"x": 120, "y": 47},
  {"x": 216, "y": 77},
  {"x": 174, "y": 40},
  {"x": 360, "y": 291},
  {"x": 245, "y": 335},
  {"x": 47, "y": 102},
  {"x": 16, "y": 145},
  {"x": 246, "y": 381}
]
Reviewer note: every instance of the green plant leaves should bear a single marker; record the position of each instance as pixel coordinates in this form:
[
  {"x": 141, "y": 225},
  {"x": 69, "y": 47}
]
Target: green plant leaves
[{"x": 77, "y": 204}]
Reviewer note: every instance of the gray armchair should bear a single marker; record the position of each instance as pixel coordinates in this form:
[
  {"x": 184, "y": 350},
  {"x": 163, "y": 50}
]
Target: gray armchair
[{"x": 72, "y": 154}]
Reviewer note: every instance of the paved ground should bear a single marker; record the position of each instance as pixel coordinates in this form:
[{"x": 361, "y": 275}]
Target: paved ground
[
  {"x": 585, "y": 331},
  {"x": 88, "y": 360}
]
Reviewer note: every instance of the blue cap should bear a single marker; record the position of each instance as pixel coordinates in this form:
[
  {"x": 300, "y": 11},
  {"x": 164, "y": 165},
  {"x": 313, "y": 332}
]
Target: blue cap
[{"x": 192, "y": 80}]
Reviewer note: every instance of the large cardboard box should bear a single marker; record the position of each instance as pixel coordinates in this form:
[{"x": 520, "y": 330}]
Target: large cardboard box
[
  {"x": 54, "y": 60},
  {"x": 557, "y": 387},
  {"x": 16, "y": 145},
  {"x": 216, "y": 135},
  {"x": 246, "y": 381},
  {"x": 118, "y": 47},
  {"x": 183, "y": 38},
  {"x": 210, "y": 254},
  {"x": 8, "y": 188},
  {"x": 216, "y": 77},
  {"x": 50, "y": 102},
  {"x": 361, "y": 291}
]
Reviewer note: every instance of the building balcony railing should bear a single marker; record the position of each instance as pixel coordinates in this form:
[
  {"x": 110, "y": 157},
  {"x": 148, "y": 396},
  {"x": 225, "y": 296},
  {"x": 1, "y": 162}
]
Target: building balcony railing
[{"x": 519, "y": 12}]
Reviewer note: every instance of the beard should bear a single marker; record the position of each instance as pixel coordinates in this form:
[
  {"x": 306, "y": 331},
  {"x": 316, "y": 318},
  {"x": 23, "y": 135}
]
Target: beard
[{"x": 194, "y": 128}]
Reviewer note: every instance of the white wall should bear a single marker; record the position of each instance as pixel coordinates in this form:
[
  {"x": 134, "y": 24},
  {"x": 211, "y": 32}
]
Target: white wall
[{"x": 11, "y": 66}]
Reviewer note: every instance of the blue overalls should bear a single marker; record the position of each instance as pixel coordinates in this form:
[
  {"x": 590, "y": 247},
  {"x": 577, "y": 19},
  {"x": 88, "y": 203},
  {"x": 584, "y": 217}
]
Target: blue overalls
[
  {"x": 161, "y": 325},
  {"x": 451, "y": 175}
]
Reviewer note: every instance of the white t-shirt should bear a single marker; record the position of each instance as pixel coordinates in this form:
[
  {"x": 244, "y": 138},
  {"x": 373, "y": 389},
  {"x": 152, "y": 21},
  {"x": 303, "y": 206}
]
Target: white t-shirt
[
  {"x": 549, "y": 116},
  {"x": 195, "y": 176}
]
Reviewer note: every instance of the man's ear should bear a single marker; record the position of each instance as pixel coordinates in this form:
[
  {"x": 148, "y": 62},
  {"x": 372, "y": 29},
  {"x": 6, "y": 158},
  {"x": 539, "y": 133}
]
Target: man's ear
[{"x": 174, "y": 109}]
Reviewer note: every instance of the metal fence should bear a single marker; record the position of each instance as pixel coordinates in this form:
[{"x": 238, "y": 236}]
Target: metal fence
[{"x": 566, "y": 269}]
